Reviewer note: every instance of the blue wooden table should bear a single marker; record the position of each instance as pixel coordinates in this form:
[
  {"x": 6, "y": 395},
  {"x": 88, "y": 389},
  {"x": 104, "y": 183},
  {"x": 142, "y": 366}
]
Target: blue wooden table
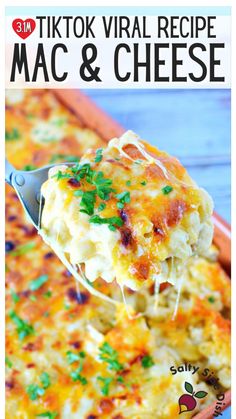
[{"x": 193, "y": 125}]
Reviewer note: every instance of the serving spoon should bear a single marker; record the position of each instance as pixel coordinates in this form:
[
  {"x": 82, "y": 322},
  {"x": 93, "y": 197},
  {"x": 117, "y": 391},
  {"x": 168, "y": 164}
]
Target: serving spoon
[{"x": 27, "y": 185}]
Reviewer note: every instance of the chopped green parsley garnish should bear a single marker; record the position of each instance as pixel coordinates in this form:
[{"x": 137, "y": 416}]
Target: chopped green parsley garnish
[
  {"x": 143, "y": 182},
  {"x": 8, "y": 362},
  {"x": 124, "y": 198},
  {"x": 60, "y": 175},
  {"x": 138, "y": 161},
  {"x": 45, "y": 380},
  {"x": 33, "y": 298},
  {"x": 113, "y": 222},
  {"x": 106, "y": 381},
  {"x": 102, "y": 206},
  {"x": 76, "y": 374},
  {"x": 47, "y": 294},
  {"x": 211, "y": 299},
  {"x": 98, "y": 157},
  {"x": 81, "y": 171},
  {"x": 29, "y": 167},
  {"x": 103, "y": 189},
  {"x": 34, "y": 391},
  {"x": 110, "y": 356},
  {"x": 12, "y": 135},
  {"x": 103, "y": 185},
  {"x": 48, "y": 415},
  {"x": 23, "y": 249},
  {"x": 15, "y": 297},
  {"x": 128, "y": 183},
  {"x": 38, "y": 282},
  {"x": 167, "y": 189},
  {"x": 120, "y": 205},
  {"x": 88, "y": 201},
  {"x": 147, "y": 361},
  {"x": 73, "y": 357},
  {"x": 23, "y": 328}
]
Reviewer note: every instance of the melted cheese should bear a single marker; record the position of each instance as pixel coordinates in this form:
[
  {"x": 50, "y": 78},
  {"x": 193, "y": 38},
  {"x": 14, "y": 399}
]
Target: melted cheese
[
  {"x": 130, "y": 138},
  {"x": 79, "y": 277},
  {"x": 160, "y": 231}
]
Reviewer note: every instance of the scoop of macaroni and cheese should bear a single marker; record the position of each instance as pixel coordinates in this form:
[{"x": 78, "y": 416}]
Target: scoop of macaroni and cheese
[{"x": 128, "y": 212}]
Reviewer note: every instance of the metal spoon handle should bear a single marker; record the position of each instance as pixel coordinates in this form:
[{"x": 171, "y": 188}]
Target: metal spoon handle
[
  {"x": 27, "y": 185},
  {"x": 9, "y": 170}
]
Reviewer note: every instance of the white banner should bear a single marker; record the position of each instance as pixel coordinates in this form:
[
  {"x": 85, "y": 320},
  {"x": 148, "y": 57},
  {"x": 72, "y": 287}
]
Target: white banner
[{"x": 110, "y": 51}]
